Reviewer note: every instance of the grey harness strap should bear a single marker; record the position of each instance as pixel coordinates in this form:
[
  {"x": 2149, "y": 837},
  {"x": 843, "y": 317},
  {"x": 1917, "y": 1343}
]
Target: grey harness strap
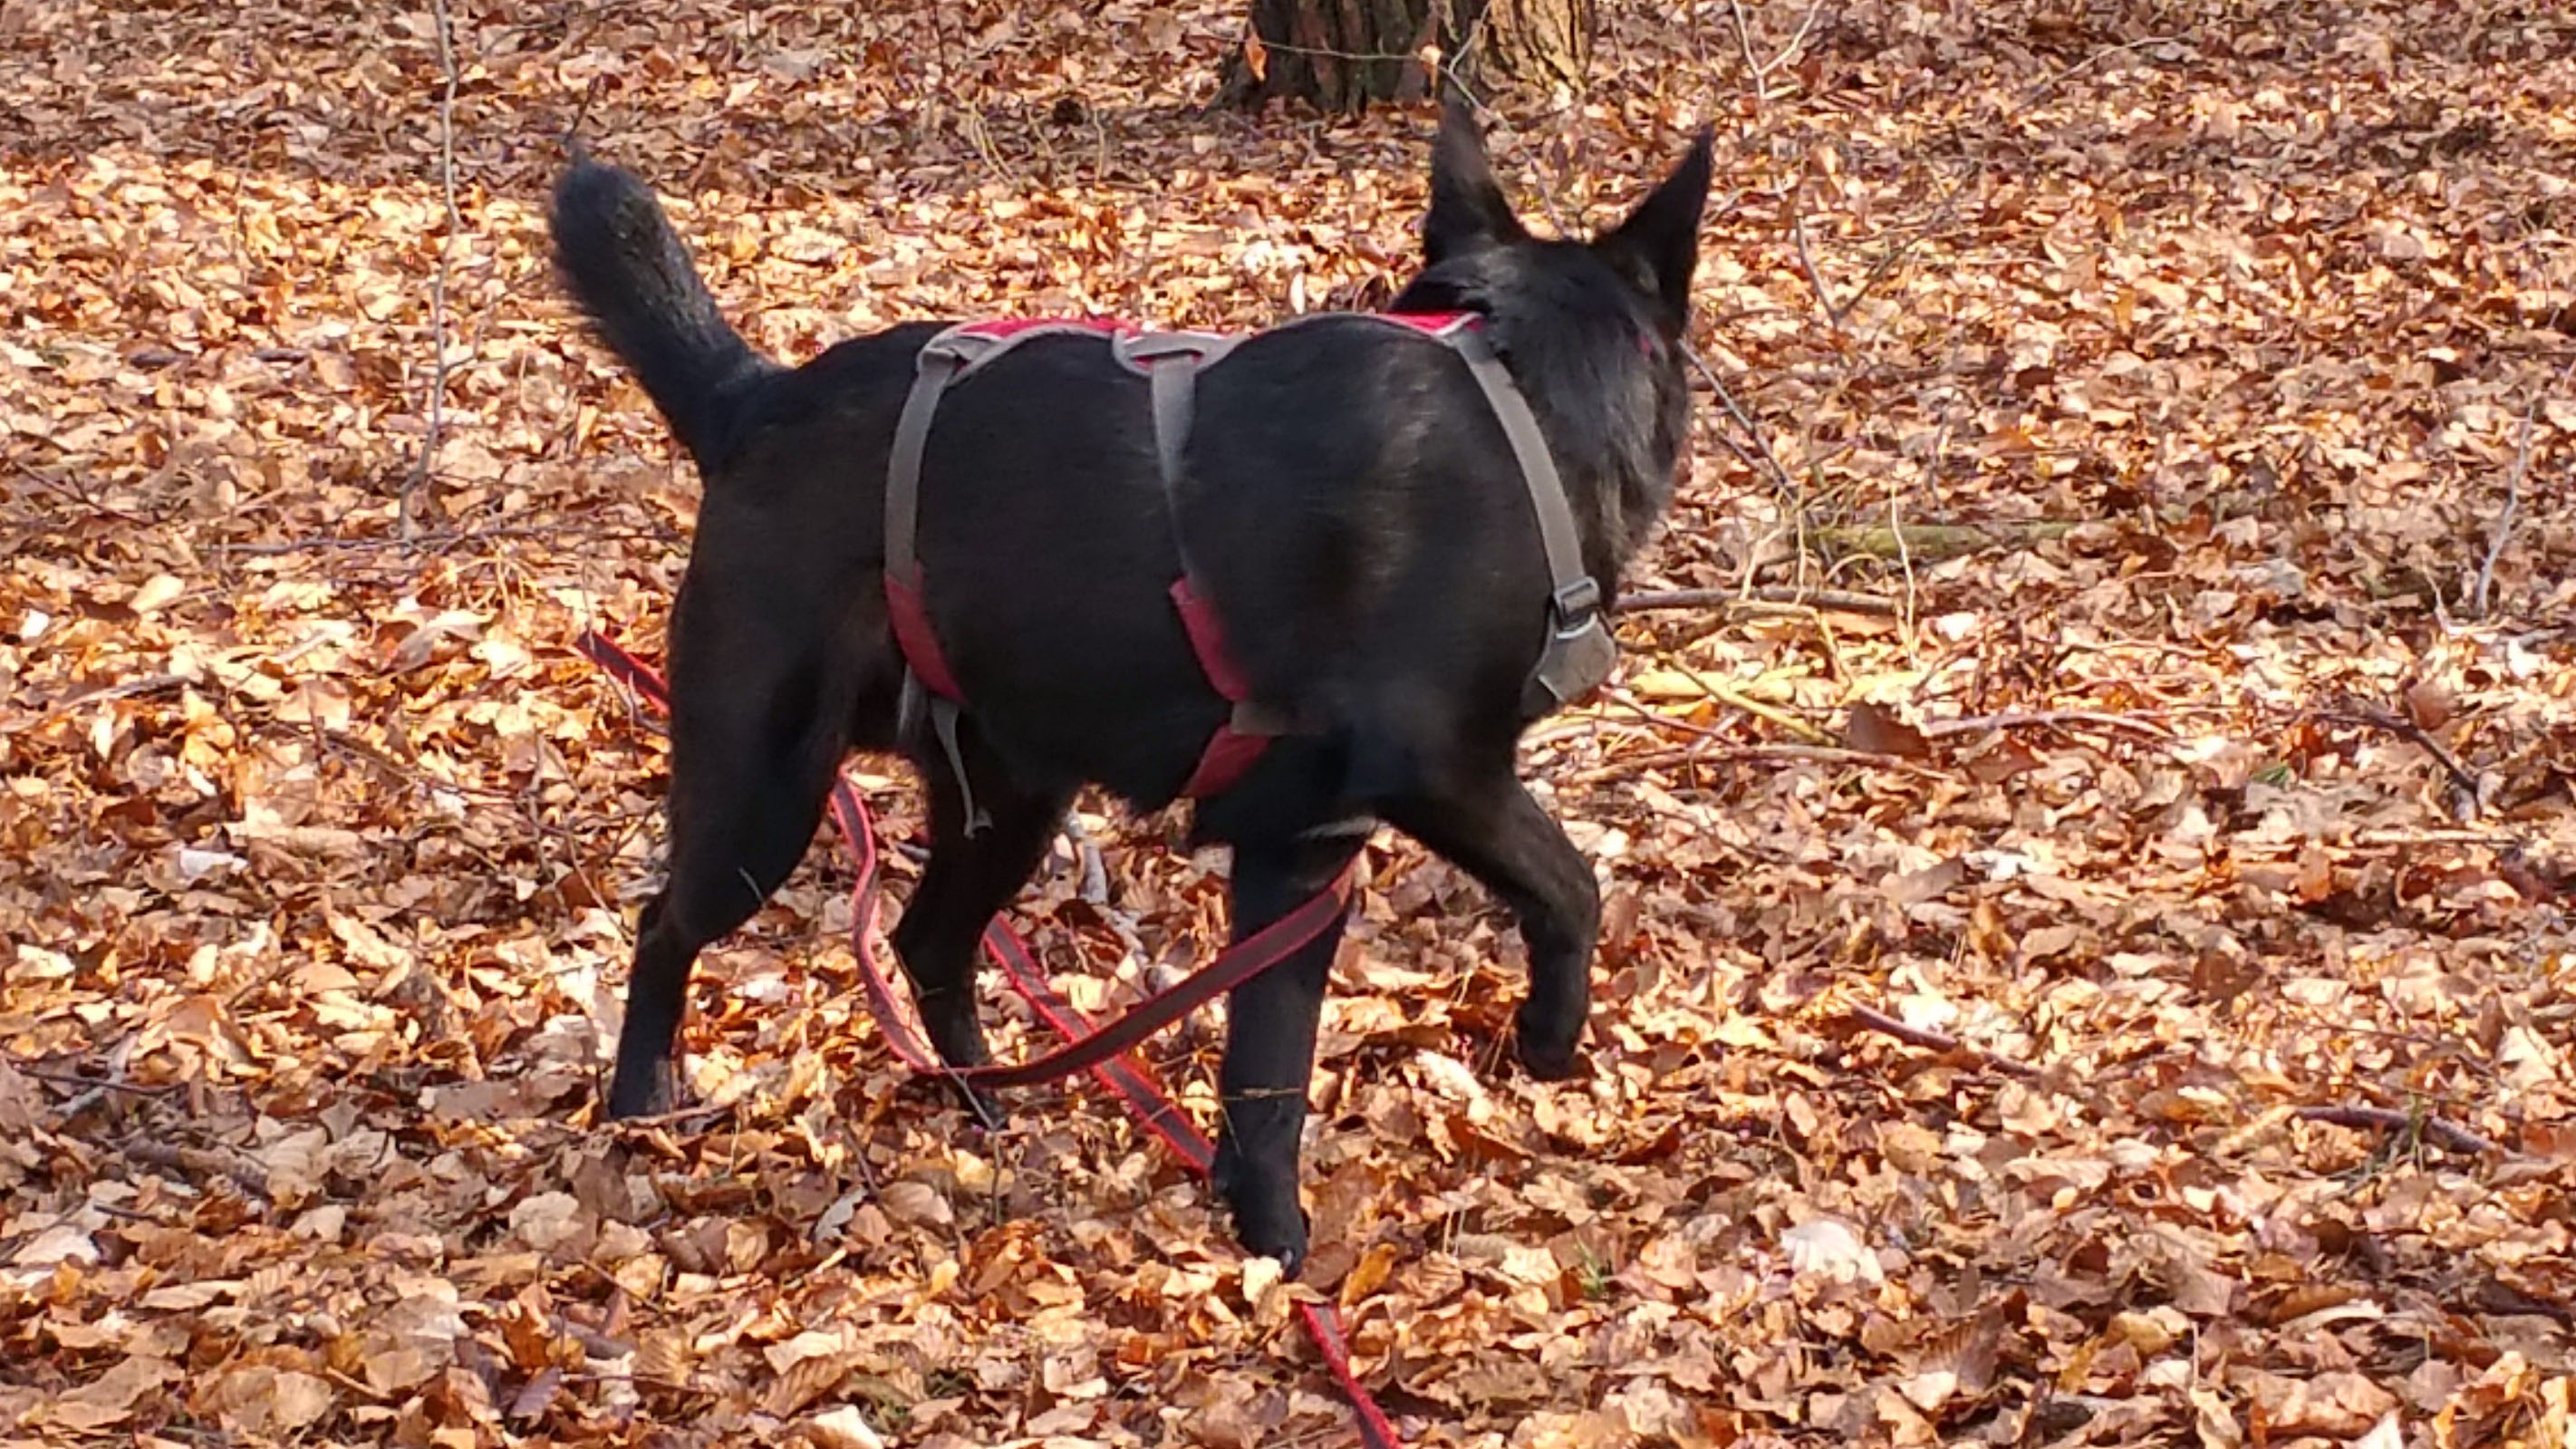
[
  {"x": 943, "y": 360},
  {"x": 1171, "y": 362},
  {"x": 949, "y": 358},
  {"x": 1577, "y": 657},
  {"x": 1580, "y": 652}
]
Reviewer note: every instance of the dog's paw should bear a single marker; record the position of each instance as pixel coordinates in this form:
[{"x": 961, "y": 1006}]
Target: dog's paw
[
  {"x": 1267, "y": 1232},
  {"x": 1267, "y": 1219},
  {"x": 1547, "y": 1051},
  {"x": 646, "y": 1090}
]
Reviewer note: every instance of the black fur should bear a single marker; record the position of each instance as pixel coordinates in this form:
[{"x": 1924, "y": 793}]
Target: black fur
[{"x": 1358, "y": 519}]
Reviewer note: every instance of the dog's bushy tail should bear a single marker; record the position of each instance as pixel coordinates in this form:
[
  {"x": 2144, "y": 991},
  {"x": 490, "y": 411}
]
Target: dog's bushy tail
[{"x": 630, "y": 273}]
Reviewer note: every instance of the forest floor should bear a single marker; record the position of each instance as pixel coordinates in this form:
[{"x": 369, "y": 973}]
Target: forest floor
[{"x": 2110, "y": 979}]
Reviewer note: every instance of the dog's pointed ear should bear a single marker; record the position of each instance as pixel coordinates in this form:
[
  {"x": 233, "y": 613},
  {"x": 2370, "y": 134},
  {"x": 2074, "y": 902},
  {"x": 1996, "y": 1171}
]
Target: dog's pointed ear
[
  {"x": 1468, "y": 209},
  {"x": 1659, "y": 242}
]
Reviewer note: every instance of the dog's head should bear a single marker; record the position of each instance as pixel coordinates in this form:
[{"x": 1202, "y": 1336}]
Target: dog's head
[
  {"x": 1473, "y": 244},
  {"x": 1594, "y": 329}
]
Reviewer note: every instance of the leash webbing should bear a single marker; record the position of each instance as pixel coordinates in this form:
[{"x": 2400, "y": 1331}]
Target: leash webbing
[{"x": 1102, "y": 1051}]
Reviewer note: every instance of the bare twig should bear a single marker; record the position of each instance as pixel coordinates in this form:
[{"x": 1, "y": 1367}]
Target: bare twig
[
  {"x": 1717, "y": 746},
  {"x": 2512, "y": 507},
  {"x": 1830, "y": 601},
  {"x": 1909, "y": 609},
  {"x": 97, "y": 1084},
  {"x": 2407, "y": 729},
  {"x": 1752, "y": 68},
  {"x": 1938, "y": 1041},
  {"x": 83, "y": 499},
  {"x": 2398, "y": 838},
  {"x": 678, "y": 1119},
  {"x": 1935, "y": 729},
  {"x": 1807, "y": 259},
  {"x": 122, "y": 689},
  {"x": 438, "y": 283},
  {"x": 1760, "y": 458},
  {"x": 249, "y": 1176},
  {"x": 1712, "y": 754},
  {"x": 1709, "y": 752},
  {"x": 1941, "y": 214},
  {"x": 2062, "y": 76},
  {"x": 2448, "y": 1136},
  {"x": 1725, "y": 693}
]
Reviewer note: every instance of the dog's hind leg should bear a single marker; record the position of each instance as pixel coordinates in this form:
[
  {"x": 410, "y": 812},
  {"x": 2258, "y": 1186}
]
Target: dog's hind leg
[
  {"x": 753, "y": 747},
  {"x": 1498, "y": 834},
  {"x": 1271, "y": 1022},
  {"x": 968, "y": 879}
]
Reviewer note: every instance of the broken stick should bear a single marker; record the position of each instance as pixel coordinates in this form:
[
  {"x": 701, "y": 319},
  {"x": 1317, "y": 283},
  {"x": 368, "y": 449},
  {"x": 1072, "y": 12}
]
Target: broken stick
[
  {"x": 2449, "y": 1136},
  {"x": 1938, "y": 1041},
  {"x": 1828, "y": 601}
]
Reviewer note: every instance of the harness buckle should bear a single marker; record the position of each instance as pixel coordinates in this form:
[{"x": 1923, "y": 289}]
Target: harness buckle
[
  {"x": 1580, "y": 652},
  {"x": 1575, "y": 604},
  {"x": 1140, "y": 351}
]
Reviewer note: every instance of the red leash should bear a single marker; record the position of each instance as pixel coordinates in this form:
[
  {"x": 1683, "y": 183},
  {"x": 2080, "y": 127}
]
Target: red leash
[{"x": 1104, "y": 1051}]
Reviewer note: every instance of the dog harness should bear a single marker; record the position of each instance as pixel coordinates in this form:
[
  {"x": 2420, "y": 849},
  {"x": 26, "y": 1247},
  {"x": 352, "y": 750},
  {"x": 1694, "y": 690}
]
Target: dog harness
[{"x": 1579, "y": 651}]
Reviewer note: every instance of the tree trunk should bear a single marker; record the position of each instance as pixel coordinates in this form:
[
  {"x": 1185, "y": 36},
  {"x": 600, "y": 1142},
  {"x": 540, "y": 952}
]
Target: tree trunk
[{"x": 1343, "y": 54}]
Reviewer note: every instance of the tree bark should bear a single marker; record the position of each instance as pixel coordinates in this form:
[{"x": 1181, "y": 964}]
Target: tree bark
[{"x": 1342, "y": 54}]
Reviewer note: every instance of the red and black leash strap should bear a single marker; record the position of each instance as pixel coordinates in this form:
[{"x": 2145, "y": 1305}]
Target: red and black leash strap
[
  {"x": 1102, "y": 1051},
  {"x": 1151, "y": 1106}
]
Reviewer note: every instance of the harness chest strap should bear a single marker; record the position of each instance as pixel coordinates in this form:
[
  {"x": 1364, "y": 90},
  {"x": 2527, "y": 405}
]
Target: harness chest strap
[{"x": 1579, "y": 653}]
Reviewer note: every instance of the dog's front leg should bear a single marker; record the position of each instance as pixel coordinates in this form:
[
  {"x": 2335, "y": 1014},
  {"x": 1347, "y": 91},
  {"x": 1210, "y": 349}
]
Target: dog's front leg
[
  {"x": 1498, "y": 834},
  {"x": 1271, "y": 1022}
]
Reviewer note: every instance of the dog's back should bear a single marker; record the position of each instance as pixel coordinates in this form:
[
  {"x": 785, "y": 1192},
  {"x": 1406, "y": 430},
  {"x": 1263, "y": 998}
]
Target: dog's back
[{"x": 1354, "y": 506}]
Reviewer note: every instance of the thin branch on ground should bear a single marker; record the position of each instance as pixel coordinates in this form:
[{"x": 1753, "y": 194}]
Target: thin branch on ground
[
  {"x": 1711, "y": 753},
  {"x": 1797, "y": 40},
  {"x": 404, "y": 520},
  {"x": 1938, "y": 1041},
  {"x": 1941, "y": 213},
  {"x": 1807, "y": 259},
  {"x": 1830, "y": 601},
  {"x": 122, "y": 689},
  {"x": 74, "y": 494},
  {"x": 1760, "y": 458},
  {"x": 1936, "y": 729},
  {"x": 2052, "y": 82},
  {"x": 2449, "y": 1136},
  {"x": 97, "y": 1084},
  {"x": 2505, "y": 520},
  {"x": 1724, "y": 693},
  {"x": 172, "y": 1156},
  {"x": 2399, "y": 725},
  {"x": 1753, "y": 69}
]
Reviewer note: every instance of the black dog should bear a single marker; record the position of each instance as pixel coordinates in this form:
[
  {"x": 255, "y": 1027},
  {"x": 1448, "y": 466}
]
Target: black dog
[{"x": 1350, "y": 504}]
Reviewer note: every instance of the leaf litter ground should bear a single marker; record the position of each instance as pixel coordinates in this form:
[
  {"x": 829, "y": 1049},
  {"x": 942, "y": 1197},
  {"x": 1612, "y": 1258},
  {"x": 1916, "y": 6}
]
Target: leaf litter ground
[{"x": 2110, "y": 983}]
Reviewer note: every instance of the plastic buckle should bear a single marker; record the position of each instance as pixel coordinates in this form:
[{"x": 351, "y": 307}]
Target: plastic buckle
[
  {"x": 1140, "y": 351},
  {"x": 1576, "y": 605},
  {"x": 956, "y": 351}
]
